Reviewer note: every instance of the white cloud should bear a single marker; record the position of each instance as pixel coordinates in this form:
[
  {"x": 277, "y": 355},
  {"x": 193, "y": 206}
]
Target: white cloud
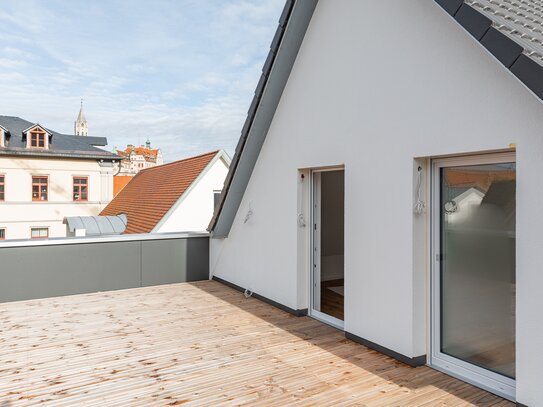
[{"x": 181, "y": 73}]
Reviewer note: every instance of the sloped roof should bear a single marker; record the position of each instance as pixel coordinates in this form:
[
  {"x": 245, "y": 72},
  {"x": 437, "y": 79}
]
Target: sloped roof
[
  {"x": 284, "y": 48},
  {"x": 521, "y": 20},
  {"x": 153, "y": 191},
  {"x": 119, "y": 182},
  {"x": 81, "y": 116},
  {"x": 512, "y": 30},
  {"x": 62, "y": 145}
]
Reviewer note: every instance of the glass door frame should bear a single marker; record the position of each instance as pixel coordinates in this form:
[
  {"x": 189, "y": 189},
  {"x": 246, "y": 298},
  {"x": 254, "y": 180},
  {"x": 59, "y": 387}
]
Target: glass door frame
[
  {"x": 314, "y": 262},
  {"x": 478, "y": 376}
]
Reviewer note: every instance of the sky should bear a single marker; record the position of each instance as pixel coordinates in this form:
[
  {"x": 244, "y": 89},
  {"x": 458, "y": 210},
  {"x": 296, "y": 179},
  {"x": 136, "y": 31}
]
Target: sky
[{"x": 180, "y": 73}]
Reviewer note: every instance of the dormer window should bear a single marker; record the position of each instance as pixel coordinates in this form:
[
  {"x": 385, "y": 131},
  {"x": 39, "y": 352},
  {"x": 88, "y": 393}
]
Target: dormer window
[{"x": 37, "y": 139}]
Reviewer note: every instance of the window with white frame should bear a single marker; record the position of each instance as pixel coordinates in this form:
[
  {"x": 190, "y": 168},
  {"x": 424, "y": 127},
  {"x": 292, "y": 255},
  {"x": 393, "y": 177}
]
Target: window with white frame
[{"x": 39, "y": 233}]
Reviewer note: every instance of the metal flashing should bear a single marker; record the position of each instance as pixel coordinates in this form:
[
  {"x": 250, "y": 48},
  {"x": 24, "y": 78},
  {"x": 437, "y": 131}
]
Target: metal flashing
[
  {"x": 502, "y": 47},
  {"x": 474, "y": 22},
  {"x": 450, "y": 6},
  {"x": 512, "y": 32},
  {"x": 530, "y": 73},
  {"x": 285, "y": 45}
]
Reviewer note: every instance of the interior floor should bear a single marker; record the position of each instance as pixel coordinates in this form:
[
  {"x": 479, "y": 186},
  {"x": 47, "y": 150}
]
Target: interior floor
[
  {"x": 499, "y": 359},
  {"x": 333, "y": 298}
]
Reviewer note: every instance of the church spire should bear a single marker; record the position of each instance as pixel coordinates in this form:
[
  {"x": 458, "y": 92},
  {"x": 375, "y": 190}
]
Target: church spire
[{"x": 80, "y": 125}]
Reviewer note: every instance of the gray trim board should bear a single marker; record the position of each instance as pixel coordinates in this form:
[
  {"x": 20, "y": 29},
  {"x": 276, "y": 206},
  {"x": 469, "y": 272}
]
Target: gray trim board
[
  {"x": 295, "y": 312},
  {"x": 450, "y": 6},
  {"x": 502, "y": 47},
  {"x": 530, "y": 73},
  {"x": 286, "y": 43},
  {"x": 473, "y": 21},
  {"x": 413, "y": 362}
]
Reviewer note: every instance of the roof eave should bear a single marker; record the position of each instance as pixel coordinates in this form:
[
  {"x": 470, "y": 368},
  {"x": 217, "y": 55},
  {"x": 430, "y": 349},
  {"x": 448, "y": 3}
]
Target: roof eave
[
  {"x": 284, "y": 48},
  {"x": 220, "y": 155},
  {"x": 50, "y": 154},
  {"x": 37, "y": 125}
]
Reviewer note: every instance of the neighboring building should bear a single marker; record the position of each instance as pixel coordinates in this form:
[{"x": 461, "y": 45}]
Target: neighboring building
[
  {"x": 174, "y": 197},
  {"x": 46, "y": 176},
  {"x": 135, "y": 159},
  {"x": 375, "y": 184}
]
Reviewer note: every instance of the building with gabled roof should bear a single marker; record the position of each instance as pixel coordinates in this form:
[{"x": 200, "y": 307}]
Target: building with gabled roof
[
  {"x": 174, "y": 197},
  {"x": 369, "y": 125},
  {"x": 135, "y": 159},
  {"x": 374, "y": 190},
  {"x": 46, "y": 176}
]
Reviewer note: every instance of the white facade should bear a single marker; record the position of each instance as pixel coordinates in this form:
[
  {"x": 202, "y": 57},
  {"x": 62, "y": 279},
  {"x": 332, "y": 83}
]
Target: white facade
[
  {"x": 194, "y": 209},
  {"x": 382, "y": 87},
  {"x": 19, "y": 213}
]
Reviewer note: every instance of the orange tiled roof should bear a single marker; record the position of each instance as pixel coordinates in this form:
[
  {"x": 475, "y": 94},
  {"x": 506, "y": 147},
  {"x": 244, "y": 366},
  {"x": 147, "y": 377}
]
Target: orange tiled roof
[
  {"x": 153, "y": 191},
  {"x": 461, "y": 177},
  {"x": 119, "y": 182},
  {"x": 146, "y": 152}
]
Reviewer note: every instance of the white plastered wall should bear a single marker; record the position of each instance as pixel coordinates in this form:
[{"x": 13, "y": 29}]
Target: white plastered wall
[
  {"x": 18, "y": 213},
  {"x": 193, "y": 211},
  {"x": 377, "y": 84}
]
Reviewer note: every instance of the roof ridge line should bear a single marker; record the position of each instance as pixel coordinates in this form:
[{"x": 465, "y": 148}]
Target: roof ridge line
[{"x": 180, "y": 161}]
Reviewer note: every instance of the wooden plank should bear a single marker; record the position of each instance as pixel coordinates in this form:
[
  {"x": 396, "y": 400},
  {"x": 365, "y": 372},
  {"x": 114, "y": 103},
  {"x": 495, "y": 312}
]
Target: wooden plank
[{"x": 198, "y": 344}]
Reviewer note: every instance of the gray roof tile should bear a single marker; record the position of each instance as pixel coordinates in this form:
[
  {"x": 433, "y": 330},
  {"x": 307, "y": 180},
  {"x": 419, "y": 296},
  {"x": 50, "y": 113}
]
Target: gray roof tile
[
  {"x": 521, "y": 20},
  {"x": 61, "y": 145}
]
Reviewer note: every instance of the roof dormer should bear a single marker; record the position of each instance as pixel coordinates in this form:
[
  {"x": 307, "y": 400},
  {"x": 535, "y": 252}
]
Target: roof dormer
[
  {"x": 37, "y": 137},
  {"x": 3, "y": 136}
]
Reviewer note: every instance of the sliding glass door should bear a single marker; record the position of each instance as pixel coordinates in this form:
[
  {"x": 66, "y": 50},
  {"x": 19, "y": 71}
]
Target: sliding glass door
[{"x": 473, "y": 278}]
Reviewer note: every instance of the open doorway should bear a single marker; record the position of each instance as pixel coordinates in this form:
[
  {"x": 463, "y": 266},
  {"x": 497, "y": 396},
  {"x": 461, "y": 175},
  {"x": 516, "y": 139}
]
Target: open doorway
[{"x": 328, "y": 226}]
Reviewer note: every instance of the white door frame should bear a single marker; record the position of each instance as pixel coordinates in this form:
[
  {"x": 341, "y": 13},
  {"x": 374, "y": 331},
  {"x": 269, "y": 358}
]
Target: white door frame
[
  {"x": 315, "y": 257},
  {"x": 316, "y": 232},
  {"x": 488, "y": 380}
]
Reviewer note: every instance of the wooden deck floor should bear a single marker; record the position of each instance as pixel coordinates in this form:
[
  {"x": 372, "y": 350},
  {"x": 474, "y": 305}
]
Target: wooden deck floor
[{"x": 198, "y": 344}]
